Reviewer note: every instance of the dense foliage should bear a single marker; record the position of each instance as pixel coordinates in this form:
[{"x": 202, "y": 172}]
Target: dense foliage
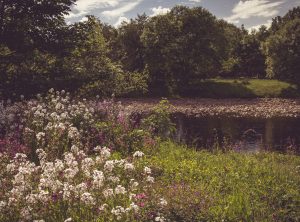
[
  {"x": 68, "y": 159},
  {"x": 161, "y": 55}
]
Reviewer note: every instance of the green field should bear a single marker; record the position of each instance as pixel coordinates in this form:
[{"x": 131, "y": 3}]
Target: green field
[
  {"x": 226, "y": 186},
  {"x": 243, "y": 88},
  {"x": 205, "y": 186}
]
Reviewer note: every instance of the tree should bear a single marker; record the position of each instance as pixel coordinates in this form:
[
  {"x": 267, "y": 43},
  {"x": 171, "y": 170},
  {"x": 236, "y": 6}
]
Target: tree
[
  {"x": 88, "y": 68},
  {"x": 283, "y": 52},
  {"x": 251, "y": 60},
  {"x": 279, "y": 22},
  {"x": 31, "y": 24},
  {"x": 30, "y": 38},
  {"x": 131, "y": 48},
  {"x": 180, "y": 47}
]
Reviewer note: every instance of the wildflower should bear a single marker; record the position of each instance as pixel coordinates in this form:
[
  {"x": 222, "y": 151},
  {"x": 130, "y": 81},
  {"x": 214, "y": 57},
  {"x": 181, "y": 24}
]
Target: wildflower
[
  {"x": 98, "y": 178},
  {"x": 113, "y": 179},
  {"x": 147, "y": 170},
  {"x": 150, "y": 179},
  {"x": 103, "y": 207},
  {"x": 2, "y": 205},
  {"x": 120, "y": 190},
  {"x": 73, "y": 133},
  {"x": 134, "y": 207},
  {"x": 163, "y": 202},
  {"x": 109, "y": 165},
  {"x": 70, "y": 173},
  {"x": 108, "y": 193},
  {"x": 118, "y": 211},
  {"x": 40, "y": 136},
  {"x": 134, "y": 185},
  {"x": 86, "y": 165},
  {"x": 129, "y": 166},
  {"x": 67, "y": 189},
  {"x": 138, "y": 154},
  {"x": 87, "y": 199},
  {"x": 105, "y": 153},
  {"x": 160, "y": 219}
]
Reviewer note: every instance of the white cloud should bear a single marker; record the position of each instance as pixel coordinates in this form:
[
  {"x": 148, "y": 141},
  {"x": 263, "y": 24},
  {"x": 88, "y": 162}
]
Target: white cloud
[
  {"x": 121, "y": 20},
  {"x": 84, "y": 19},
  {"x": 254, "y": 8},
  {"x": 256, "y": 27},
  {"x": 117, "y": 12},
  {"x": 159, "y": 11},
  {"x": 195, "y": 0},
  {"x": 84, "y": 7}
]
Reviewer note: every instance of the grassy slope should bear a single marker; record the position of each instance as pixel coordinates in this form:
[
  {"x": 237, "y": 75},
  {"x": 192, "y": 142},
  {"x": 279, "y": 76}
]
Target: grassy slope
[
  {"x": 239, "y": 88},
  {"x": 202, "y": 186}
]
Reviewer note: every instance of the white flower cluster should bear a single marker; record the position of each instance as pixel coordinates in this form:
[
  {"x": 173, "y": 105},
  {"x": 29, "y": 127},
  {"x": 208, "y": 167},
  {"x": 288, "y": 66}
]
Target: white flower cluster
[
  {"x": 78, "y": 181},
  {"x": 56, "y": 119}
]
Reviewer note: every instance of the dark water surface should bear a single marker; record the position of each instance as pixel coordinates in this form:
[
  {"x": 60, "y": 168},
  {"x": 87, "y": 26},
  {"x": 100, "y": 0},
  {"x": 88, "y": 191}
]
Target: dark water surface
[{"x": 241, "y": 134}]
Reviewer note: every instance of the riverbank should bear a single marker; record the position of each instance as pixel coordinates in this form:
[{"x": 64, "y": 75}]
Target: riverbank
[{"x": 260, "y": 108}]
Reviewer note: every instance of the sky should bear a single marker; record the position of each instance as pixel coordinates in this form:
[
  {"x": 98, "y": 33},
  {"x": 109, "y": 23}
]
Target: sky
[{"x": 251, "y": 13}]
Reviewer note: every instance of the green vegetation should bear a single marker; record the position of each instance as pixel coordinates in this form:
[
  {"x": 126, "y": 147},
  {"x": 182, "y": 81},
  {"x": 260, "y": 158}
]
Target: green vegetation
[
  {"x": 242, "y": 88},
  {"x": 64, "y": 159},
  {"x": 205, "y": 186},
  {"x": 161, "y": 55}
]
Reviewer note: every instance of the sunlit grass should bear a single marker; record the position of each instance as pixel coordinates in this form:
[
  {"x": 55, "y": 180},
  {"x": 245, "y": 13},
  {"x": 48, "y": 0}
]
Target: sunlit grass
[{"x": 243, "y": 88}]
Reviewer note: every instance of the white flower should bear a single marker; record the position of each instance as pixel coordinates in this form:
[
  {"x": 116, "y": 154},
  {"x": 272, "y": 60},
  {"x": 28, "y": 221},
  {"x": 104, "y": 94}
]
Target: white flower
[
  {"x": 138, "y": 154},
  {"x": 70, "y": 173},
  {"x": 98, "y": 178},
  {"x": 134, "y": 207},
  {"x": 86, "y": 165},
  {"x": 118, "y": 211},
  {"x": 113, "y": 179},
  {"x": 108, "y": 193},
  {"x": 160, "y": 219},
  {"x": 103, "y": 207},
  {"x": 147, "y": 170},
  {"x": 150, "y": 179},
  {"x": 134, "y": 185},
  {"x": 73, "y": 133},
  {"x": 105, "y": 153},
  {"x": 2, "y": 205},
  {"x": 67, "y": 189},
  {"x": 120, "y": 190},
  {"x": 129, "y": 166},
  {"x": 87, "y": 199},
  {"x": 109, "y": 165},
  {"x": 40, "y": 136},
  {"x": 163, "y": 202}
]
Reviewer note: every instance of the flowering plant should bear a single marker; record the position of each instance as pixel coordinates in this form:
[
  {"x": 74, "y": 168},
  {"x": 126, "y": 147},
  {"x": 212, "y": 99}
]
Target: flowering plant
[{"x": 76, "y": 188}]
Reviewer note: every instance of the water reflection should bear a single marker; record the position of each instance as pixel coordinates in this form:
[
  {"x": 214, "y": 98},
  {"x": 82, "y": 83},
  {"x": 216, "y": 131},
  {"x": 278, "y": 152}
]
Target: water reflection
[{"x": 241, "y": 134}]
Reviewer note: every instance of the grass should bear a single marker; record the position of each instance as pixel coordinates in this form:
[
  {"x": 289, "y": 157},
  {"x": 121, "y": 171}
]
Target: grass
[
  {"x": 204, "y": 186},
  {"x": 242, "y": 88}
]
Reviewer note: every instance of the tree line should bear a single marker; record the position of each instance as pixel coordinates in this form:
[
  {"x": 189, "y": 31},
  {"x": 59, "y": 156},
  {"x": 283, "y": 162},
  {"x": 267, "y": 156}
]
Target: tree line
[{"x": 160, "y": 55}]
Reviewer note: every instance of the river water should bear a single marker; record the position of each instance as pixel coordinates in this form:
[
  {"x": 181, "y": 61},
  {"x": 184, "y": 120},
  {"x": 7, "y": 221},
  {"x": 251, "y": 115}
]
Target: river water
[{"x": 240, "y": 134}]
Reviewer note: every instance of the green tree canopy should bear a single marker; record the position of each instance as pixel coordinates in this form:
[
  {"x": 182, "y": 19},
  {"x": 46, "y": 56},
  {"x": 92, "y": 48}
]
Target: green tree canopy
[
  {"x": 181, "y": 46},
  {"x": 283, "y": 52}
]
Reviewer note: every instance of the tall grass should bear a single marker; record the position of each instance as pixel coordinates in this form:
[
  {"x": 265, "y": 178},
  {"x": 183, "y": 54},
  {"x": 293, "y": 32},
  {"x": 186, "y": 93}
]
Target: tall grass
[{"x": 228, "y": 186}]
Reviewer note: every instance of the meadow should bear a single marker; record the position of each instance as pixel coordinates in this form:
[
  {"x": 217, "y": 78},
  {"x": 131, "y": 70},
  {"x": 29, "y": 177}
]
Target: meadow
[
  {"x": 70, "y": 159},
  {"x": 242, "y": 88}
]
